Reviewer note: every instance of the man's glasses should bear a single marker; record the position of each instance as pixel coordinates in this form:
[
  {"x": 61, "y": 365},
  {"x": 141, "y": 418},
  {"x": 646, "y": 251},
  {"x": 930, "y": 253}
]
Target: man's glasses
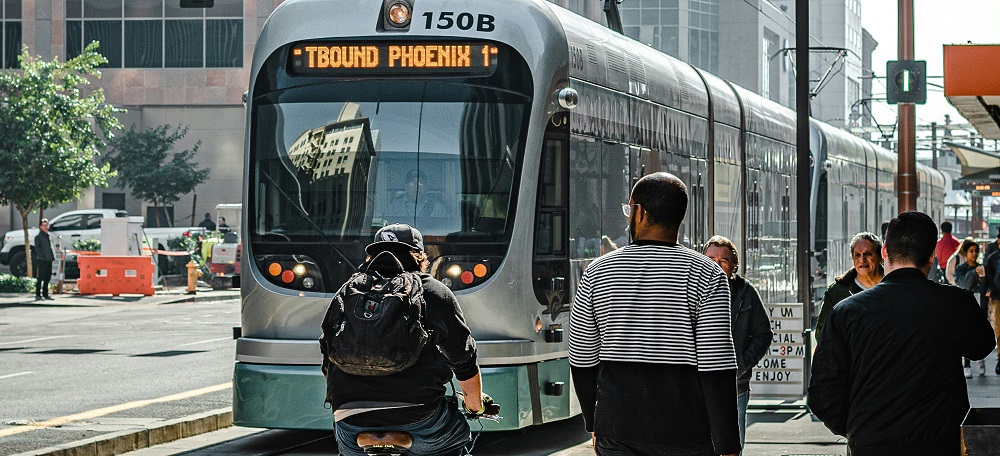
[{"x": 627, "y": 209}]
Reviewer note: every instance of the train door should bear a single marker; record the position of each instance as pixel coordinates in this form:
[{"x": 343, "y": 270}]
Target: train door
[
  {"x": 616, "y": 187},
  {"x": 550, "y": 265}
]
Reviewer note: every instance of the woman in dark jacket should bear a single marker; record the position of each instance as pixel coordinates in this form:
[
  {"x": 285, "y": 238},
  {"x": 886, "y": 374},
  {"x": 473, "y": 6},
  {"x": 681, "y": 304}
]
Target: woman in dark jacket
[
  {"x": 969, "y": 275},
  {"x": 751, "y": 327},
  {"x": 866, "y": 256}
]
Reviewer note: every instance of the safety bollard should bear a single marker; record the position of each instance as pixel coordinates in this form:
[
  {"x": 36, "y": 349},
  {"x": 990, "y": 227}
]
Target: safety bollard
[{"x": 193, "y": 274}]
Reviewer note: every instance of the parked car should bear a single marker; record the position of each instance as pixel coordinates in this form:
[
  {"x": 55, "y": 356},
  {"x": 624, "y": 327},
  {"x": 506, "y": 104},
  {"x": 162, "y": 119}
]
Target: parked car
[{"x": 69, "y": 227}]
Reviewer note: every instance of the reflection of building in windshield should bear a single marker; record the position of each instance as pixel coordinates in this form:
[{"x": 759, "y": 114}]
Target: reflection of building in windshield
[{"x": 336, "y": 158}]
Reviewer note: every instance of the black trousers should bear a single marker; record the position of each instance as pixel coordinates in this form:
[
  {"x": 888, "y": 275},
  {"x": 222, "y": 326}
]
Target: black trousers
[
  {"x": 42, "y": 271},
  {"x": 606, "y": 447}
]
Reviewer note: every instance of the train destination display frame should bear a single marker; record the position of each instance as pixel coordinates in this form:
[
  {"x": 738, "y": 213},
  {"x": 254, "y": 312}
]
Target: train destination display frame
[{"x": 382, "y": 58}]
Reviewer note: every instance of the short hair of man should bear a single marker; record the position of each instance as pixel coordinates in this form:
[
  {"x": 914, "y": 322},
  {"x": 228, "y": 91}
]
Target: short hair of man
[
  {"x": 911, "y": 238},
  {"x": 664, "y": 198},
  {"x": 946, "y": 227},
  {"x": 723, "y": 241},
  {"x": 870, "y": 237}
]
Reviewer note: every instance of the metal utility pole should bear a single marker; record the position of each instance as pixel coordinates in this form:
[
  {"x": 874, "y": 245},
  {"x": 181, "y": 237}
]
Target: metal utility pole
[
  {"x": 803, "y": 189},
  {"x": 906, "y": 185},
  {"x": 934, "y": 163}
]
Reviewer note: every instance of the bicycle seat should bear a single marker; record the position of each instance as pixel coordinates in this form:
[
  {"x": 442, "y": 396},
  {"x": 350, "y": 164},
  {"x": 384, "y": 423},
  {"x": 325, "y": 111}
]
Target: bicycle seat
[{"x": 384, "y": 442}]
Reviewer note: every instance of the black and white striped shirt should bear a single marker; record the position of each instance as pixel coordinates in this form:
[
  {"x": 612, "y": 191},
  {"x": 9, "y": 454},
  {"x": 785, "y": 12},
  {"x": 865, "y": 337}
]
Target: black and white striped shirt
[{"x": 652, "y": 303}]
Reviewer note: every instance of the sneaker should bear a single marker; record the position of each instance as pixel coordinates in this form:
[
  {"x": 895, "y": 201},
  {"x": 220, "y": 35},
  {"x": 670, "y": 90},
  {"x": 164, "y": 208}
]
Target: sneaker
[
  {"x": 968, "y": 372},
  {"x": 980, "y": 366},
  {"x": 38, "y": 297},
  {"x": 53, "y": 299}
]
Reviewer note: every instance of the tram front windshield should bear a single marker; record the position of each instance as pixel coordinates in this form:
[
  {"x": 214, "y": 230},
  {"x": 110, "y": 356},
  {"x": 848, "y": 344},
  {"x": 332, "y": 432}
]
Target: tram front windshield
[{"x": 334, "y": 161}]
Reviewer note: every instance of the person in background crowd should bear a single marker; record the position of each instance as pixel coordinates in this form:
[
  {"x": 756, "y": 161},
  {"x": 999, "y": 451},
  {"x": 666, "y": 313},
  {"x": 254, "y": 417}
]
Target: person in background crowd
[
  {"x": 945, "y": 247},
  {"x": 992, "y": 278},
  {"x": 651, "y": 347},
  {"x": 884, "y": 373},
  {"x": 992, "y": 247},
  {"x": 751, "y": 328},
  {"x": 223, "y": 227},
  {"x": 866, "y": 253},
  {"x": 969, "y": 275},
  {"x": 41, "y": 260},
  {"x": 207, "y": 224}
]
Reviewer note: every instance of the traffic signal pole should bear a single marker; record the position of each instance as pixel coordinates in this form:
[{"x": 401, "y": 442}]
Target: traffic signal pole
[
  {"x": 803, "y": 185},
  {"x": 906, "y": 185}
]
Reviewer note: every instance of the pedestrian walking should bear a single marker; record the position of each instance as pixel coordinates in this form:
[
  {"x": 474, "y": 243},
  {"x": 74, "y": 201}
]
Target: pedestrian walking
[
  {"x": 992, "y": 278},
  {"x": 867, "y": 271},
  {"x": 41, "y": 260},
  {"x": 751, "y": 327},
  {"x": 943, "y": 250},
  {"x": 884, "y": 373},
  {"x": 650, "y": 340},
  {"x": 969, "y": 274}
]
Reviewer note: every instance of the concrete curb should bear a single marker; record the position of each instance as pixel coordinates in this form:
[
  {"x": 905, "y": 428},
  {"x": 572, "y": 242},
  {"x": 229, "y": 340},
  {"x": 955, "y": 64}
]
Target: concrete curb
[
  {"x": 139, "y": 438},
  {"x": 186, "y": 298}
]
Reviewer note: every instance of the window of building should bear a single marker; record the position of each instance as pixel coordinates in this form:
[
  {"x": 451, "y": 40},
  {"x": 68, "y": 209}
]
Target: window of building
[
  {"x": 157, "y": 33},
  {"x": 10, "y": 33},
  {"x": 113, "y": 201}
]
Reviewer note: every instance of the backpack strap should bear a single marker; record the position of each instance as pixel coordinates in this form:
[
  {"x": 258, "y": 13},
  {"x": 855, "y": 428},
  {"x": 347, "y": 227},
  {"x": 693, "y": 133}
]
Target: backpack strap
[{"x": 350, "y": 409}]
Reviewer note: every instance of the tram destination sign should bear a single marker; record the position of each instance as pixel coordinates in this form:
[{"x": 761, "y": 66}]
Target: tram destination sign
[{"x": 387, "y": 58}]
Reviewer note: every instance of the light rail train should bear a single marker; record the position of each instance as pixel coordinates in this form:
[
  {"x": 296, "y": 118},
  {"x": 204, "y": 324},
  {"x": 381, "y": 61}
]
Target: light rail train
[{"x": 509, "y": 133}]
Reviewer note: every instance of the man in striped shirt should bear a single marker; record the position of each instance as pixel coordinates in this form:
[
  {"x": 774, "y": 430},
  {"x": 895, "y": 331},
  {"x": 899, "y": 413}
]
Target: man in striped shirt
[{"x": 650, "y": 340}]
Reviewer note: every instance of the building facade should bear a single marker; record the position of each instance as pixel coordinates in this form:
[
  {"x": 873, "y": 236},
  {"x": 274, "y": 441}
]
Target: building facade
[{"x": 167, "y": 65}]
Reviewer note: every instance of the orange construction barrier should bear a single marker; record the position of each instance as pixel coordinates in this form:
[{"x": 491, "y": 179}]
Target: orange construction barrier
[{"x": 115, "y": 275}]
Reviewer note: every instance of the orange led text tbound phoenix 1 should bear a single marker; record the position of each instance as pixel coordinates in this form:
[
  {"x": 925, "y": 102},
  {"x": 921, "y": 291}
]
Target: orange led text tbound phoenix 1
[
  {"x": 430, "y": 56},
  {"x": 342, "y": 56}
]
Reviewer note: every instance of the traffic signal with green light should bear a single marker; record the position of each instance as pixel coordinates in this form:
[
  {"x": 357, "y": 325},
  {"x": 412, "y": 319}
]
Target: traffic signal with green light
[{"x": 906, "y": 81}]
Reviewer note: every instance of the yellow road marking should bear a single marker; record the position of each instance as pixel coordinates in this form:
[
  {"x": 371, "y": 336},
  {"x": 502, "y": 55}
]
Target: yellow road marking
[{"x": 112, "y": 409}]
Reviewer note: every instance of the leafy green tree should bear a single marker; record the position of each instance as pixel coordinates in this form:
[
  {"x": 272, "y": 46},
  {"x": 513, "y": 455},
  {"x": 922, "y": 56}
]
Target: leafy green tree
[
  {"x": 140, "y": 157},
  {"x": 51, "y": 132}
]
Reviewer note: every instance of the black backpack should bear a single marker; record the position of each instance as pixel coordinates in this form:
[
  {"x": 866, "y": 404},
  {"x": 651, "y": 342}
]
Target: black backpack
[{"x": 375, "y": 323}]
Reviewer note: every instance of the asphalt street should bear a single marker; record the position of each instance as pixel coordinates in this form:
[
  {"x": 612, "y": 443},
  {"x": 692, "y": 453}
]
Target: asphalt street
[{"x": 109, "y": 362}]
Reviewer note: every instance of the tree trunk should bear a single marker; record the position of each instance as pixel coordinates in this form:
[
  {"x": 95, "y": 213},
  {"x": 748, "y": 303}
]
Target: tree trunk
[
  {"x": 27, "y": 241},
  {"x": 156, "y": 212}
]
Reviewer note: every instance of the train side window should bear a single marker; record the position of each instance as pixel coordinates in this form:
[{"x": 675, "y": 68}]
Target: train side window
[{"x": 551, "y": 199}]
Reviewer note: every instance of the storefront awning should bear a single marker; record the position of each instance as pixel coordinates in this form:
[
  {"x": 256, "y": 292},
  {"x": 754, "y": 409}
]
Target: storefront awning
[
  {"x": 972, "y": 84},
  {"x": 975, "y": 160}
]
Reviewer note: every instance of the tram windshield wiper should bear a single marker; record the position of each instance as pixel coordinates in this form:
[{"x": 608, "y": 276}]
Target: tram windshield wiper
[{"x": 312, "y": 225}]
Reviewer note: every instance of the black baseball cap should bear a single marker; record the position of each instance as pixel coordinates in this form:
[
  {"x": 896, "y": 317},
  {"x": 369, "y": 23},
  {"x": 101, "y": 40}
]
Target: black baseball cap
[{"x": 397, "y": 234}]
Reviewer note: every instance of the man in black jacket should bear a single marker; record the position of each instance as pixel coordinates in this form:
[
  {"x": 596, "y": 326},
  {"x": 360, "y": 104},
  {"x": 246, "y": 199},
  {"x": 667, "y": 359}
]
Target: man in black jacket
[
  {"x": 752, "y": 332},
  {"x": 412, "y": 400},
  {"x": 41, "y": 260},
  {"x": 886, "y": 373}
]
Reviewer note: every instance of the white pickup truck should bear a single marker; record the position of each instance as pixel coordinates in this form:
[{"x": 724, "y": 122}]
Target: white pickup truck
[{"x": 69, "y": 227}]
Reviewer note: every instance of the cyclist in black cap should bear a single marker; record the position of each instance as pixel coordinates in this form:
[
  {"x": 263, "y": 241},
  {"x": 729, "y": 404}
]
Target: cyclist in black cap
[{"x": 413, "y": 400}]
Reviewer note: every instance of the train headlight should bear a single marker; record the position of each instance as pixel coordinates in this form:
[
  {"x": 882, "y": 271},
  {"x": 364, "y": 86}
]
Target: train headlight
[
  {"x": 297, "y": 272},
  {"x": 399, "y": 14},
  {"x": 460, "y": 272}
]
